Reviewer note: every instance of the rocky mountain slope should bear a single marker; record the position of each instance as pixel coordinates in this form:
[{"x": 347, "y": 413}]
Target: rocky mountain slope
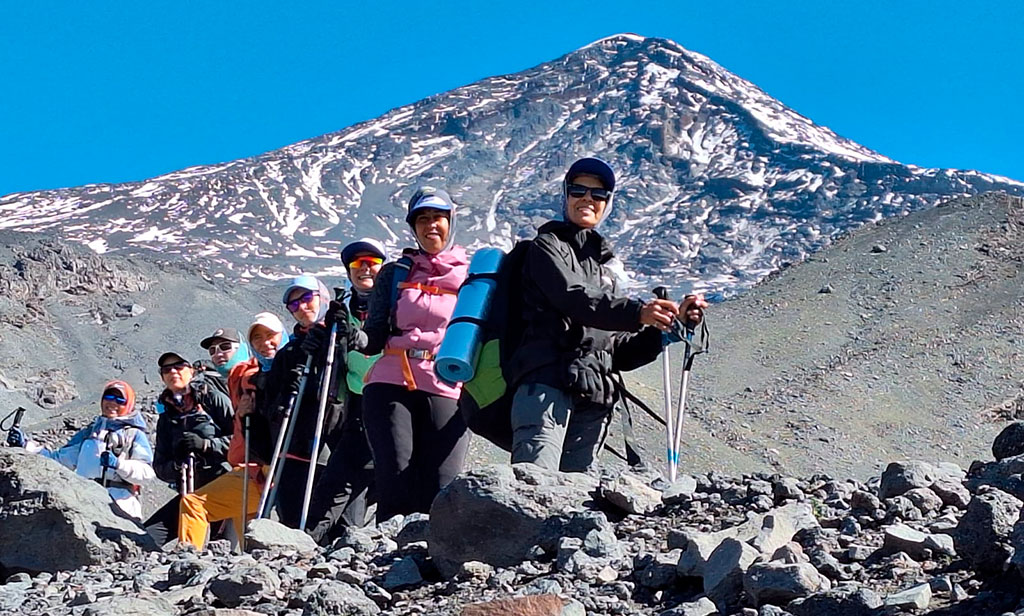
[
  {"x": 720, "y": 183},
  {"x": 902, "y": 340}
]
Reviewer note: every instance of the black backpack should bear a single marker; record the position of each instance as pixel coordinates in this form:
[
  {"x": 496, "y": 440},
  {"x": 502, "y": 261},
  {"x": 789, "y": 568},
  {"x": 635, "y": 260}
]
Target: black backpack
[{"x": 204, "y": 374}]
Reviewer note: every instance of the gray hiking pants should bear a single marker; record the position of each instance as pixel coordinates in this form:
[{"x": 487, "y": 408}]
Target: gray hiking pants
[{"x": 549, "y": 431}]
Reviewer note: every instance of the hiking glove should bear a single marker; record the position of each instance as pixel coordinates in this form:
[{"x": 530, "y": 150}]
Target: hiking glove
[
  {"x": 315, "y": 340},
  {"x": 337, "y": 313},
  {"x": 588, "y": 380},
  {"x": 16, "y": 438},
  {"x": 108, "y": 460},
  {"x": 189, "y": 442}
]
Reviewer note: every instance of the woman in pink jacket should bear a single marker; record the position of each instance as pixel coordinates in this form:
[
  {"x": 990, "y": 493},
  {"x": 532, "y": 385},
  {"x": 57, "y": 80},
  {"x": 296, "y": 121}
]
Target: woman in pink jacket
[{"x": 416, "y": 433}]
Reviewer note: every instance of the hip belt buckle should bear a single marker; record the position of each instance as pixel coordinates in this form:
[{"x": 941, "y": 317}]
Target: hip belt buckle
[{"x": 419, "y": 354}]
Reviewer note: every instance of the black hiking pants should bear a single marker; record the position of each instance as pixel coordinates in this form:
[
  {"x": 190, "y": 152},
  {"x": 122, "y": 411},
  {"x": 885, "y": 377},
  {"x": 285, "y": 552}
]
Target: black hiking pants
[
  {"x": 292, "y": 490},
  {"x": 345, "y": 490},
  {"x": 419, "y": 443}
]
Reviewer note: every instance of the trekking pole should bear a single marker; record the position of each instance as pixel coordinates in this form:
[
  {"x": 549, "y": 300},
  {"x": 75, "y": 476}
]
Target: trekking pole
[
  {"x": 688, "y": 357},
  {"x": 683, "y": 386},
  {"x": 245, "y": 483},
  {"x": 12, "y": 434},
  {"x": 108, "y": 443},
  {"x": 183, "y": 479},
  {"x": 325, "y": 385},
  {"x": 284, "y": 439},
  {"x": 191, "y": 473},
  {"x": 666, "y": 383}
]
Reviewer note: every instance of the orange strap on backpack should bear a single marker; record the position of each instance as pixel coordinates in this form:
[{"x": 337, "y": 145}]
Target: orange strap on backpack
[
  {"x": 405, "y": 354},
  {"x": 425, "y": 288}
]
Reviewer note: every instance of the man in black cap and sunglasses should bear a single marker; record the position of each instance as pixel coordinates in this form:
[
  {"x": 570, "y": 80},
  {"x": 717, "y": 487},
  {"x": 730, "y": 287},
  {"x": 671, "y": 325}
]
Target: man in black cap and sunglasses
[
  {"x": 194, "y": 424},
  {"x": 579, "y": 332}
]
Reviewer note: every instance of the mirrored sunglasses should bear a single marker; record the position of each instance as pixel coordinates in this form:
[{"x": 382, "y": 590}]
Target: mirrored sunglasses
[
  {"x": 361, "y": 261},
  {"x": 118, "y": 398},
  {"x": 294, "y": 304},
  {"x": 223, "y": 347},
  {"x": 598, "y": 194}
]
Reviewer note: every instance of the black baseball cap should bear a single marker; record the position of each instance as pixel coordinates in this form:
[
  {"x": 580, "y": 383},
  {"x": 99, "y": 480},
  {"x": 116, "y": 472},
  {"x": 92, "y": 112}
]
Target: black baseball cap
[
  {"x": 595, "y": 167},
  {"x": 223, "y": 333},
  {"x": 163, "y": 361}
]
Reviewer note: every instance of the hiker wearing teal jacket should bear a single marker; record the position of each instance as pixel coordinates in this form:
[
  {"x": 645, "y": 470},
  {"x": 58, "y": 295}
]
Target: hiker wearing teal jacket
[{"x": 345, "y": 490}]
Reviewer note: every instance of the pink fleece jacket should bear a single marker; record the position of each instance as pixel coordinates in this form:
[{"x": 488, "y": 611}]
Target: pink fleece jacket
[{"x": 423, "y": 318}]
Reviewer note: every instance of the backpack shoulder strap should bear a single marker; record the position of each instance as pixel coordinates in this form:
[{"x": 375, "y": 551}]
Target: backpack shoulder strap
[{"x": 402, "y": 268}]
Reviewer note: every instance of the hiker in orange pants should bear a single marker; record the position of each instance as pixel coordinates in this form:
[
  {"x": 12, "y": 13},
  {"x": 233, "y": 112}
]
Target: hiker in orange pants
[{"x": 221, "y": 499}]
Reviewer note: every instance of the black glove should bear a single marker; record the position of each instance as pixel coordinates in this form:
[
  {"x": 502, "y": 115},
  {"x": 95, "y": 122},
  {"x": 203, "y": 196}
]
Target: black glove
[
  {"x": 16, "y": 438},
  {"x": 337, "y": 313},
  {"x": 316, "y": 339},
  {"x": 190, "y": 442},
  {"x": 589, "y": 379},
  {"x": 295, "y": 378}
]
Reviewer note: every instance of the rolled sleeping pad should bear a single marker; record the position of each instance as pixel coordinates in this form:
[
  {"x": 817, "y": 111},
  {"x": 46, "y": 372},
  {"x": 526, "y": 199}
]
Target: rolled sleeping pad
[{"x": 457, "y": 357}]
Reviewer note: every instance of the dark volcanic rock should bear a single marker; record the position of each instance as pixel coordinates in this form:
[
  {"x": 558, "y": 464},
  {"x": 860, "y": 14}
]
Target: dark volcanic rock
[
  {"x": 848, "y": 600},
  {"x": 524, "y": 501},
  {"x": 244, "y": 584},
  {"x": 900, "y": 477},
  {"x": 1010, "y": 441},
  {"x": 983, "y": 536},
  {"x": 331, "y": 597},
  {"x": 51, "y": 519}
]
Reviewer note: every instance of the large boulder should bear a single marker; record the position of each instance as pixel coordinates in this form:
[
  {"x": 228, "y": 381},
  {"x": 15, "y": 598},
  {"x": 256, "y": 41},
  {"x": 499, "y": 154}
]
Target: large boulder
[
  {"x": 724, "y": 572},
  {"x": 901, "y": 477},
  {"x": 528, "y": 505},
  {"x": 1006, "y": 474},
  {"x": 51, "y": 519},
  {"x": 1010, "y": 441},
  {"x": 847, "y": 600},
  {"x": 531, "y": 605},
  {"x": 265, "y": 534},
  {"x": 780, "y": 583},
  {"x": 766, "y": 532},
  {"x": 983, "y": 536}
]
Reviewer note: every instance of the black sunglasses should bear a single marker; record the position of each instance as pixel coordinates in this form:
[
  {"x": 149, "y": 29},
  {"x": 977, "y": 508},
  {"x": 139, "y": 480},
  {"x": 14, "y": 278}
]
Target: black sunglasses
[
  {"x": 578, "y": 190},
  {"x": 294, "y": 304},
  {"x": 179, "y": 365}
]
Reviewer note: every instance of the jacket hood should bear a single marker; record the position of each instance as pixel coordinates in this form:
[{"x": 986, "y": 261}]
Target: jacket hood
[
  {"x": 311, "y": 283},
  {"x": 126, "y": 391},
  {"x": 434, "y": 198}
]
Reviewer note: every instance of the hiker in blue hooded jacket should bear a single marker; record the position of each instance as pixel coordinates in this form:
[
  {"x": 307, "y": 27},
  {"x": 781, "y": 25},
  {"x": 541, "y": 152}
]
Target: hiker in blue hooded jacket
[
  {"x": 578, "y": 333},
  {"x": 114, "y": 449}
]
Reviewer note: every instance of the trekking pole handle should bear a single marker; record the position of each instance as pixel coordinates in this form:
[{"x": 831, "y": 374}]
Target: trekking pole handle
[
  {"x": 17, "y": 415},
  {"x": 660, "y": 292}
]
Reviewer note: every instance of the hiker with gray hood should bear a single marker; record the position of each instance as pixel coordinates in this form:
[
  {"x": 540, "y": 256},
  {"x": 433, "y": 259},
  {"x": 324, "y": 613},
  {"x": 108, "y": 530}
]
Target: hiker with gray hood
[{"x": 579, "y": 333}]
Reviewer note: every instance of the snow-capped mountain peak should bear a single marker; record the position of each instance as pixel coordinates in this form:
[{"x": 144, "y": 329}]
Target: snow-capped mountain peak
[{"x": 720, "y": 183}]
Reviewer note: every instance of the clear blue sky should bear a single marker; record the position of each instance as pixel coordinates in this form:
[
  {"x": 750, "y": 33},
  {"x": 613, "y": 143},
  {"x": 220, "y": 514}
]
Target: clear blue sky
[{"x": 104, "y": 92}]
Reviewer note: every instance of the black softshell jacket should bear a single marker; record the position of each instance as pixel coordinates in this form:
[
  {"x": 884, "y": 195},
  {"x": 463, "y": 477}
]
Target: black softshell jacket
[
  {"x": 570, "y": 310},
  {"x": 212, "y": 421},
  {"x": 280, "y": 383}
]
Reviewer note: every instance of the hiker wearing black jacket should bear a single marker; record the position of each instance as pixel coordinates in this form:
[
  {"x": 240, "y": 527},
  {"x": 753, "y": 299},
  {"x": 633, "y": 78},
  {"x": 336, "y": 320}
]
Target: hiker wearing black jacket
[
  {"x": 578, "y": 333},
  {"x": 195, "y": 423},
  {"x": 308, "y": 301}
]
